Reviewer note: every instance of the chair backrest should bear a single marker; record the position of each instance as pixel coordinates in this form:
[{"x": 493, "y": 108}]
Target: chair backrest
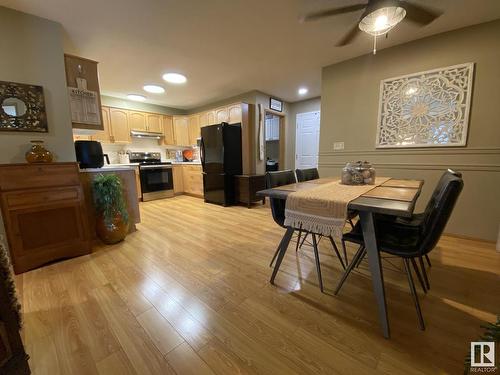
[
  {"x": 307, "y": 174},
  {"x": 439, "y": 209},
  {"x": 275, "y": 179}
]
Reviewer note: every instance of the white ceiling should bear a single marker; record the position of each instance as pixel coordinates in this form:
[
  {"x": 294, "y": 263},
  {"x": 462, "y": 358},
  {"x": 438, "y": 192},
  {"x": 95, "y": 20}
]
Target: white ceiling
[{"x": 224, "y": 47}]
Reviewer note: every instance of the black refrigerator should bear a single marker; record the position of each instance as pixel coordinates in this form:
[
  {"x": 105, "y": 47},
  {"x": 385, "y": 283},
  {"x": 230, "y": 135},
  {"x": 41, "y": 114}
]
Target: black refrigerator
[{"x": 220, "y": 153}]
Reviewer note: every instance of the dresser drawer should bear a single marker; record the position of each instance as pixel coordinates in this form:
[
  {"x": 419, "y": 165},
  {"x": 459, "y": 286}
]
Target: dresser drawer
[
  {"x": 26, "y": 176},
  {"x": 36, "y": 197}
]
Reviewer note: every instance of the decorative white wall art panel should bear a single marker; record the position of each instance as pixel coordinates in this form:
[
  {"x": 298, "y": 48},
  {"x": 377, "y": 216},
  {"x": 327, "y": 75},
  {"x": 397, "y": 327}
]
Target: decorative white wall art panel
[{"x": 426, "y": 109}]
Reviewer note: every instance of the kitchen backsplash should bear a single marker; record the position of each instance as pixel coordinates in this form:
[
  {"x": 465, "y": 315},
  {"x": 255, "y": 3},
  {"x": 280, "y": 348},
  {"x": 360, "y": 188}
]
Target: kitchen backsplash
[{"x": 113, "y": 150}]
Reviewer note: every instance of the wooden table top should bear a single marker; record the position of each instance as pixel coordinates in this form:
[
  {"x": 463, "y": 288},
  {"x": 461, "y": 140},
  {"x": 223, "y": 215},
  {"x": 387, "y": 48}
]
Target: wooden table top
[{"x": 394, "y": 197}]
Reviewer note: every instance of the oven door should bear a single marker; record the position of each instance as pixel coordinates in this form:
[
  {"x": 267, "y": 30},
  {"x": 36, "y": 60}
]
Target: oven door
[{"x": 156, "y": 182}]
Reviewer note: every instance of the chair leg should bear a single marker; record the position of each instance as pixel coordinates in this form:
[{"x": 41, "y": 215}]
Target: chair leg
[
  {"x": 345, "y": 252},
  {"x": 424, "y": 272},
  {"x": 428, "y": 260},
  {"x": 318, "y": 266},
  {"x": 337, "y": 252},
  {"x": 419, "y": 276},
  {"x": 349, "y": 269},
  {"x": 276, "y": 252},
  {"x": 360, "y": 259},
  {"x": 414, "y": 294},
  {"x": 304, "y": 239},
  {"x": 298, "y": 240}
]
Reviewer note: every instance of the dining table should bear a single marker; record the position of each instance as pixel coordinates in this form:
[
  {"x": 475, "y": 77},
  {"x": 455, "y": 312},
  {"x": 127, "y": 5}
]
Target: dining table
[{"x": 395, "y": 197}]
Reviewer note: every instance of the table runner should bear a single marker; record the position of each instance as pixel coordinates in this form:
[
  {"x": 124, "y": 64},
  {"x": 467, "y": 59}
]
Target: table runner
[{"x": 323, "y": 209}]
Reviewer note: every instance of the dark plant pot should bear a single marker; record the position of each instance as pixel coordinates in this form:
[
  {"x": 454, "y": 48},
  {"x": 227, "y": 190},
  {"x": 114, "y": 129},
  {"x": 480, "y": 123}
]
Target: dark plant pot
[{"x": 113, "y": 233}]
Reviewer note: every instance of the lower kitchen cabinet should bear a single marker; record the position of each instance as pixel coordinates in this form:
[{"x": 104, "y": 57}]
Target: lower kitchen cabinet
[
  {"x": 192, "y": 179},
  {"x": 178, "y": 179}
]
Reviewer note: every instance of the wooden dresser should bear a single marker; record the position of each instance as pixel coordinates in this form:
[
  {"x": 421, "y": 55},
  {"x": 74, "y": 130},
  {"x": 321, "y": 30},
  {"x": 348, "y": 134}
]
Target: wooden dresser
[
  {"x": 43, "y": 209},
  {"x": 246, "y": 187}
]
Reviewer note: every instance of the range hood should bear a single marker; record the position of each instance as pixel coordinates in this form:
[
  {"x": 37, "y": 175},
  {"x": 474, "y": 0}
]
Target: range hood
[{"x": 151, "y": 135}]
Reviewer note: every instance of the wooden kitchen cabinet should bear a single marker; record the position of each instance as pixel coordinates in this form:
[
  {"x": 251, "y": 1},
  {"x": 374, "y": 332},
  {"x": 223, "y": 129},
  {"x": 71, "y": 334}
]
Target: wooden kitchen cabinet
[
  {"x": 234, "y": 113},
  {"x": 203, "y": 119},
  {"x": 211, "y": 118},
  {"x": 221, "y": 115},
  {"x": 181, "y": 131},
  {"x": 168, "y": 131},
  {"x": 43, "y": 208},
  {"x": 194, "y": 129},
  {"x": 120, "y": 130},
  {"x": 154, "y": 123},
  {"x": 105, "y": 135},
  {"x": 137, "y": 121},
  {"x": 178, "y": 179},
  {"x": 193, "y": 179},
  {"x": 81, "y": 137}
]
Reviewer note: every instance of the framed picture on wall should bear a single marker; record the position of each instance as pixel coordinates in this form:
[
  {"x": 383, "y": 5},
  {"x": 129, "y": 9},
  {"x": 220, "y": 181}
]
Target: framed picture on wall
[
  {"x": 276, "y": 104},
  {"x": 425, "y": 109}
]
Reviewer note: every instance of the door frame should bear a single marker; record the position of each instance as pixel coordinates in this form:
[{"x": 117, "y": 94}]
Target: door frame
[{"x": 282, "y": 142}]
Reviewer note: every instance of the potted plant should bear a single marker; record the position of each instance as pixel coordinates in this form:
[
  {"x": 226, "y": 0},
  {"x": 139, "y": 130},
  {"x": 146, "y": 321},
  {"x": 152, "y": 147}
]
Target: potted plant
[{"x": 112, "y": 216}]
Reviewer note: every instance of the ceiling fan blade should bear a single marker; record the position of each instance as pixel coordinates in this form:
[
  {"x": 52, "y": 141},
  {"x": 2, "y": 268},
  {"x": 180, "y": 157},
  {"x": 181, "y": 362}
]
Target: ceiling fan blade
[
  {"x": 331, "y": 12},
  {"x": 349, "y": 37},
  {"x": 419, "y": 14}
]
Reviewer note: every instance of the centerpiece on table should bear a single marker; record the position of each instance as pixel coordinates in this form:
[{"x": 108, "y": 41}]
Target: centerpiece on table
[
  {"x": 112, "y": 216},
  {"x": 358, "y": 173}
]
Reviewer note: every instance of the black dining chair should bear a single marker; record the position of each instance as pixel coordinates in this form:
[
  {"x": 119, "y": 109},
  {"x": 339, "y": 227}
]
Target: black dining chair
[
  {"x": 275, "y": 179},
  {"x": 414, "y": 237},
  {"x": 307, "y": 174},
  {"x": 280, "y": 178}
]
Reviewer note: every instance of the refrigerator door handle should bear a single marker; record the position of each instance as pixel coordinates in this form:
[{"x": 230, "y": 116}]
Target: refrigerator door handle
[{"x": 202, "y": 153}]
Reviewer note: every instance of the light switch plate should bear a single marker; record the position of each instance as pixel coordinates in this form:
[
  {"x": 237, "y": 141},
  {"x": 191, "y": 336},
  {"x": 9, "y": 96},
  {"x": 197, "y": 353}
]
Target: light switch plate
[{"x": 338, "y": 146}]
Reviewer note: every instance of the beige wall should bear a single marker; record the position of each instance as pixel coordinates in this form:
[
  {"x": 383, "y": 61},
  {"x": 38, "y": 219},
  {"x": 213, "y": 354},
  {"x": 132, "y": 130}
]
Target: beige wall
[
  {"x": 349, "y": 108},
  {"x": 32, "y": 52},
  {"x": 310, "y": 105}
]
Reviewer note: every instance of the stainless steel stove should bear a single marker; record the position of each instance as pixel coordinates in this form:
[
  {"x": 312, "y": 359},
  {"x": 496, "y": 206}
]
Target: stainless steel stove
[{"x": 156, "y": 176}]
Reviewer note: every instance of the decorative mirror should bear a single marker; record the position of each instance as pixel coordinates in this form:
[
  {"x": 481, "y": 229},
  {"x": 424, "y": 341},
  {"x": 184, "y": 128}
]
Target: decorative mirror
[{"x": 22, "y": 108}]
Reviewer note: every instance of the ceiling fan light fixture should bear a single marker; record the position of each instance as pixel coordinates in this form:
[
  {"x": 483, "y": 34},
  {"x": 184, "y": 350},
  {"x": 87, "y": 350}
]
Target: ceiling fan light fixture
[{"x": 382, "y": 20}]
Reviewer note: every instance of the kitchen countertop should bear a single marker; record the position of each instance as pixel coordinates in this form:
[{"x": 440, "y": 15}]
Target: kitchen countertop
[{"x": 186, "y": 162}]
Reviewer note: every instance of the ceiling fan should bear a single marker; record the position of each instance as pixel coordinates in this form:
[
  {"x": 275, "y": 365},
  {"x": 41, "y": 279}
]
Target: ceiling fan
[{"x": 378, "y": 18}]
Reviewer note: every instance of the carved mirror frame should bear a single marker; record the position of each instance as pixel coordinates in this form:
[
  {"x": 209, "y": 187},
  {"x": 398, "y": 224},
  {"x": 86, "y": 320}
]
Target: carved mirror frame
[{"x": 35, "y": 117}]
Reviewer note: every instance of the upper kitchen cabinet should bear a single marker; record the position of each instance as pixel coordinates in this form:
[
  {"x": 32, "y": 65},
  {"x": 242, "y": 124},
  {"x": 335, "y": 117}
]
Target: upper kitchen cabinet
[
  {"x": 84, "y": 94},
  {"x": 120, "y": 130},
  {"x": 211, "y": 118},
  {"x": 181, "y": 130},
  {"x": 203, "y": 119},
  {"x": 137, "y": 121},
  {"x": 154, "y": 123},
  {"x": 234, "y": 112},
  {"x": 105, "y": 135},
  {"x": 221, "y": 115},
  {"x": 194, "y": 130},
  {"x": 168, "y": 131}
]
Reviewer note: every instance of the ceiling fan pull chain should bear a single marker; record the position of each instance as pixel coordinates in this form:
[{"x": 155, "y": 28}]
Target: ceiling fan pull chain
[{"x": 374, "y": 44}]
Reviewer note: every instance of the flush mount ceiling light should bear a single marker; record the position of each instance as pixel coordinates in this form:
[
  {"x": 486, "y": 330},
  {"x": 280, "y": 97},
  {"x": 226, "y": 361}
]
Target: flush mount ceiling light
[
  {"x": 303, "y": 90},
  {"x": 175, "y": 78},
  {"x": 137, "y": 98},
  {"x": 154, "y": 89}
]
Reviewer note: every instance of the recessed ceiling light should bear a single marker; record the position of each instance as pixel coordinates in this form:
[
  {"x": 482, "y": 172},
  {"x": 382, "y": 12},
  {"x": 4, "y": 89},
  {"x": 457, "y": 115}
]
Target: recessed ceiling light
[
  {"x": 303, "y": 91},
  {"x": 174, "y": 78},
  {"x": 137, "y": 98},
  {"x": 154, "y": 89}
]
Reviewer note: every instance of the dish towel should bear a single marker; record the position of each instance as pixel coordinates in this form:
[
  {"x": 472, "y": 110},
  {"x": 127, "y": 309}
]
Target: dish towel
[{"x": 323, "y": 209}]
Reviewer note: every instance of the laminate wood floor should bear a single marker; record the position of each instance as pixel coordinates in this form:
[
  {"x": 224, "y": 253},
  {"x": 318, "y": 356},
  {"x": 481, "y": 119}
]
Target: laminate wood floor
[{"x": 189, "y": 293}]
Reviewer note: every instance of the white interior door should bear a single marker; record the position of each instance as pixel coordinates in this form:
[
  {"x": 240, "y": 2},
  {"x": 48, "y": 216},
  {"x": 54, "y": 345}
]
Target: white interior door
[{"x": 307, "y": 140}]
